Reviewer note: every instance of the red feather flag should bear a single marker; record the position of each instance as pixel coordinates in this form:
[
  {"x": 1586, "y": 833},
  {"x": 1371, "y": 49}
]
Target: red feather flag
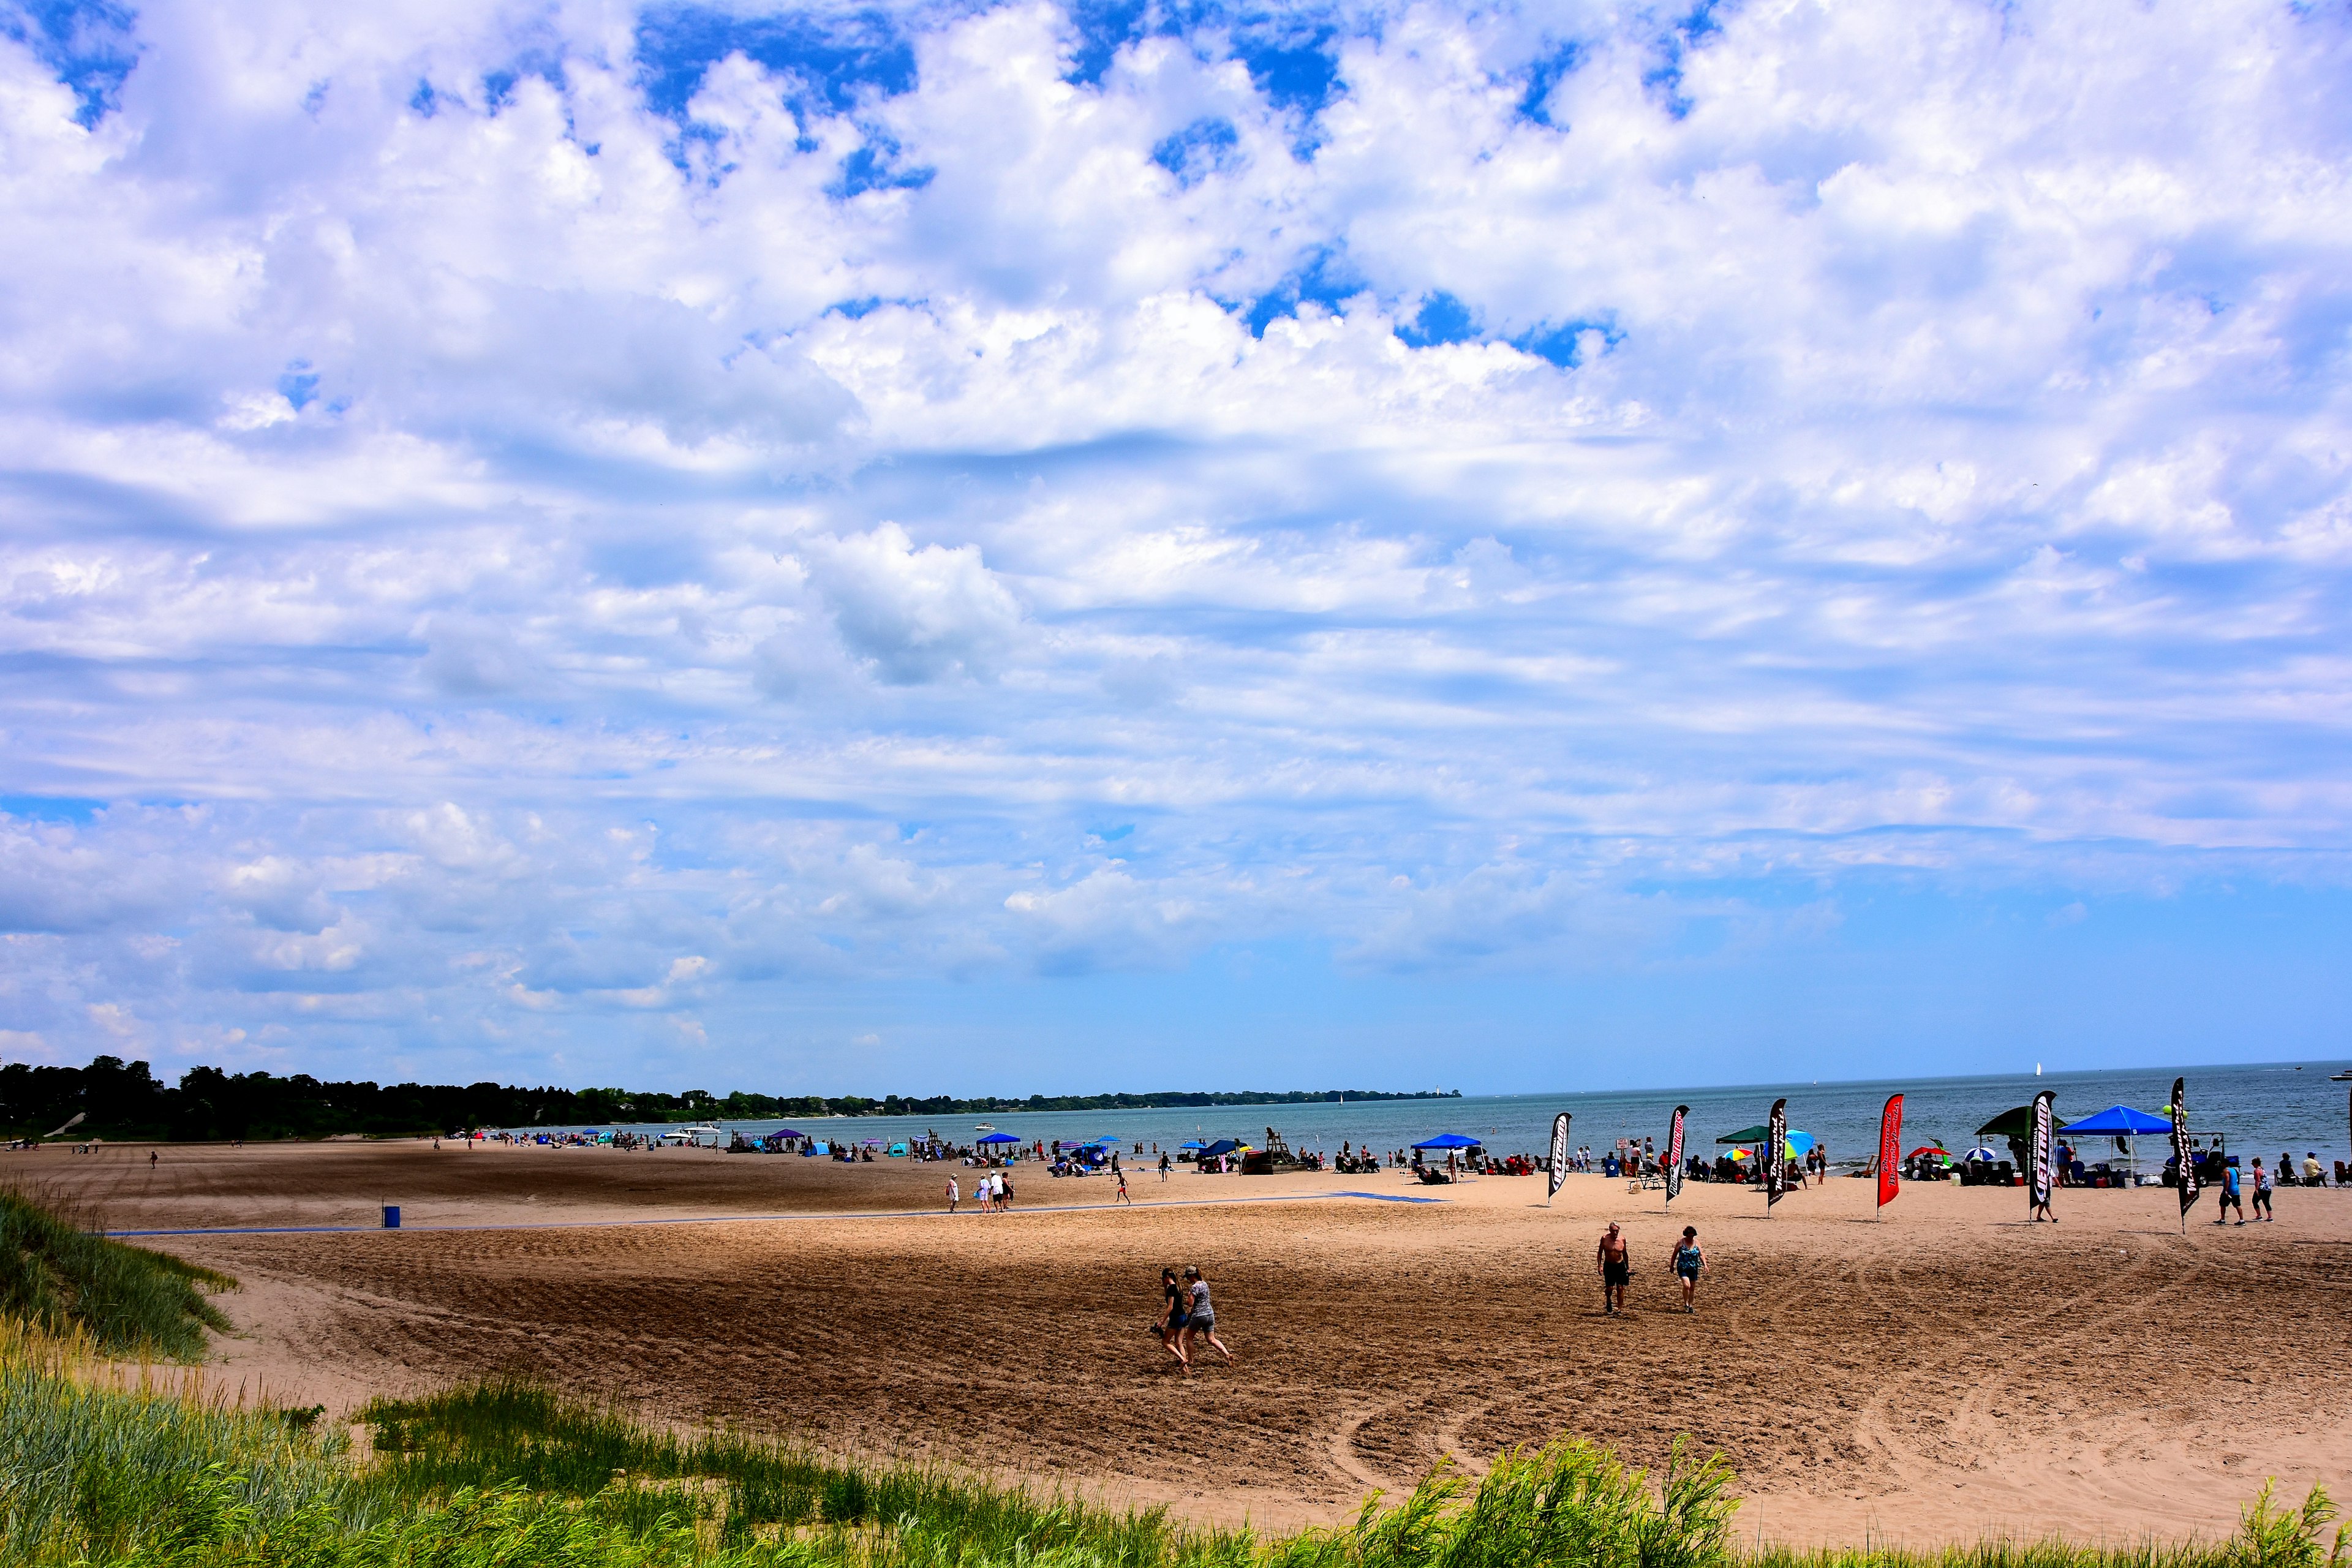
[{"x": 1890, "y": 1149}]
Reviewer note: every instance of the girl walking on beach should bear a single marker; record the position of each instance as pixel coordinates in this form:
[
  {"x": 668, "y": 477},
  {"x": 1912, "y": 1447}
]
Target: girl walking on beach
[
  {"x": 1688, "y": 1262},
  {"x": 1171, "y": 1322},
  {"x": 1201, "y": 1318}
]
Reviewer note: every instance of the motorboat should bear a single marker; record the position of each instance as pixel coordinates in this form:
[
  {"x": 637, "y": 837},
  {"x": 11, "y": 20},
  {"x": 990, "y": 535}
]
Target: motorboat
[
  {"x": 693, "y": 1136},
  {"x": 2344, "y": 1077}
]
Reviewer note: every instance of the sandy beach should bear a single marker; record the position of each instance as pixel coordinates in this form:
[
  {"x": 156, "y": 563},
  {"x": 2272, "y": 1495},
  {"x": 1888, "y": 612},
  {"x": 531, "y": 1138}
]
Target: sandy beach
[{"x": 1938, "y": 1373}]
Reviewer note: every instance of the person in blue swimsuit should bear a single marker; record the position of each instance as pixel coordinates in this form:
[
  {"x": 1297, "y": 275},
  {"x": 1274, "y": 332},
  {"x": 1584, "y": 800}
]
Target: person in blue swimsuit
[{"x": 1688, "y": 1262}]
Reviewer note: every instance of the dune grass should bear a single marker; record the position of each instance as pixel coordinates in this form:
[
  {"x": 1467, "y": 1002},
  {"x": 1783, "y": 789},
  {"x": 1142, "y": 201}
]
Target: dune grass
[
  {"x": 58, "y": 1276},
  {"x": 507, "y": 1474},
  {"x": 97, "y": 1458}
]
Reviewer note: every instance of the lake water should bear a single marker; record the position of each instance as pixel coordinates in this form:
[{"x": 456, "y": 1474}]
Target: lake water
[{"x": 2262, "y": 1109}]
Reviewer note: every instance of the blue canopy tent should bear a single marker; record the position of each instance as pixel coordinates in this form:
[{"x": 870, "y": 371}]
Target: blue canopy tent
[
  {"x": 2124, "y": 1125},
  {"x": 1222, "y": 1146},
  {"x": 999, "y": 1138},
  {"x": 2120, "y": 1121},
  {"x": 1448, "y": 1140}
]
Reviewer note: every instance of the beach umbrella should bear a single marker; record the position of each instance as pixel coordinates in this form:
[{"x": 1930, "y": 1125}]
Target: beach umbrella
[
  {"x": 1929, "y": 1149},
  {"x": 1980, "y": 1153}
]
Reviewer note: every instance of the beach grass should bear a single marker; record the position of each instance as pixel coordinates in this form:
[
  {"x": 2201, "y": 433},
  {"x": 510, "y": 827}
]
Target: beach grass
[
  {"x": 58, "y": 1275},
  {"x": 97, "y": 1458}
]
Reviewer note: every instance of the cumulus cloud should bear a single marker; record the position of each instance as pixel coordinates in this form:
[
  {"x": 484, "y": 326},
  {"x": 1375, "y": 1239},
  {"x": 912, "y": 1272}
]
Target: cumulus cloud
[
  {"x": 520, "y": 520},
  {"x": 916, "y": 615}
]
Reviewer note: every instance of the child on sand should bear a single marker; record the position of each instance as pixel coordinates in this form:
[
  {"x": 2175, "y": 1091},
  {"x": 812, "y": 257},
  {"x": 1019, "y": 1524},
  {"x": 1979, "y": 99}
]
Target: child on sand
[
  {"x": 1688, "y": 1262},
  {"x": 1122, "y": 1197}
]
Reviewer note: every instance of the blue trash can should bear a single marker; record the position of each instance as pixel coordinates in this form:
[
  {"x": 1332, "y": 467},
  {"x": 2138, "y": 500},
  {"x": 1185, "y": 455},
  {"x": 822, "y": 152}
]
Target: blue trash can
[{"x": 392, "y": 1217}]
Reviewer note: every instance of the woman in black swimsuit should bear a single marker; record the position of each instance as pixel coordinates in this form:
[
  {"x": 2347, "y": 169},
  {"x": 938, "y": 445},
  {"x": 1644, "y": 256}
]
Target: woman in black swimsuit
[{"x": 1172, "y": 1319}]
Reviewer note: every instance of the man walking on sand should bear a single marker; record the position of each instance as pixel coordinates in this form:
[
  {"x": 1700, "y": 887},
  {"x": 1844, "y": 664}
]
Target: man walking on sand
[
  {"x": 1616, "y": 1264},
  {"x": 2230, "y": 1198}
]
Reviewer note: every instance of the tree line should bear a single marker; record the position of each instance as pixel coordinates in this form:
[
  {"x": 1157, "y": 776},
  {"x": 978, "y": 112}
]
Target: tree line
[{"x": 121, "y": 1099}]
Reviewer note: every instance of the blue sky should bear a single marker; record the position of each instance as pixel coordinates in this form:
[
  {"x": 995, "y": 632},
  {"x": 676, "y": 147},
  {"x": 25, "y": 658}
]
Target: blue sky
[{"x": 1033, "y": 548}]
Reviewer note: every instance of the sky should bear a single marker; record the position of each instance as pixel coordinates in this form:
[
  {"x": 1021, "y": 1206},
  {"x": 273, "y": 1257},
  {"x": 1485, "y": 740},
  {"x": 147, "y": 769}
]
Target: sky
[{"x": 1025, "y": 548}]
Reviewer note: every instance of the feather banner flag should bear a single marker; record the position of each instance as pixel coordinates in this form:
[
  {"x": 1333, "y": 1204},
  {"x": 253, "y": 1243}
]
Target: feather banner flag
[
  {"x": 1776, "y": 1154},
  {"x": 2037, "y": 1180},
  {"x": 1559, "y": 1154},
  {"x": 1890, "y": 1149},
  {"x": 2184, "y": 1159},
  {"x": 1675, "y": 1156}
]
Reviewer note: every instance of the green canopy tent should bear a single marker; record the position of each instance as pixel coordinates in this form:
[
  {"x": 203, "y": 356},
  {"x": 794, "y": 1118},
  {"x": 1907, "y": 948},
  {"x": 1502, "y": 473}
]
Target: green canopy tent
[
  {"x": 2017, "y": 1127},
  {"x": 2019, "y": 1124}
]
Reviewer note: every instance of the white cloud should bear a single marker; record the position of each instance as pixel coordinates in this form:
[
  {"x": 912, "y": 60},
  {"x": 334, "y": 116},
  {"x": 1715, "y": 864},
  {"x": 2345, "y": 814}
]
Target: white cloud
[{"x": 500, "y": 544}]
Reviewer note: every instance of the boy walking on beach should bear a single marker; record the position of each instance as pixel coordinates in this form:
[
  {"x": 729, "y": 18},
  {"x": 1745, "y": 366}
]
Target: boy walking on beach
[{"x": 1616, "y": 1261}]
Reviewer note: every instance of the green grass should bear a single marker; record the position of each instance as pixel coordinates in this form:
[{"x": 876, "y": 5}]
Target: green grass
[
  {"x": 510, "y": 1475},
  {"x": 96, "y": 1458},
  {"x": 749, "y": 1488},
  {"x": 59, "y": 1279}
]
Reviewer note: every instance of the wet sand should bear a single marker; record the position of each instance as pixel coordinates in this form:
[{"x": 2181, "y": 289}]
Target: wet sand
[{"x": 1940, "y": 1374}]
